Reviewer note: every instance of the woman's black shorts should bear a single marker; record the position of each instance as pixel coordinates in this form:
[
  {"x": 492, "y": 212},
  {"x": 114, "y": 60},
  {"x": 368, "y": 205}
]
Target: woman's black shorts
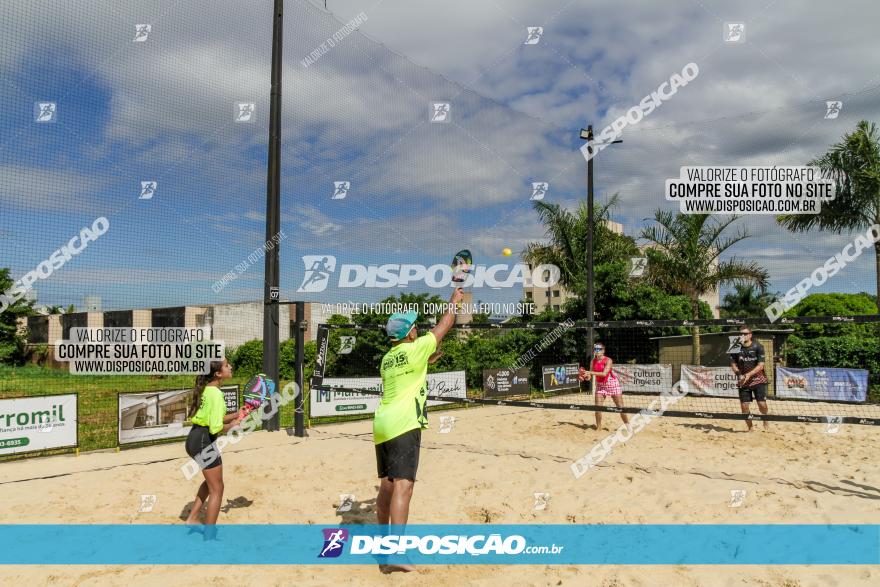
[{"x": 197, "y": 446}]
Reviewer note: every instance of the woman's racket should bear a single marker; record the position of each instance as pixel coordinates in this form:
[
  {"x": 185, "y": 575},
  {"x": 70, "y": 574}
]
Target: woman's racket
[
  {"x": 462, "y": 265},
  {"x": 256, "y": 391}
]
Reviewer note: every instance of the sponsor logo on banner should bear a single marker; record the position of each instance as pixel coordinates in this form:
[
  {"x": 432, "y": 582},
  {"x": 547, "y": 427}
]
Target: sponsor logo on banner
[
  {"x": 822, "y": 383},
  {"x": 328, "y": 402},
  {"x": 559, "y": 377},
  {"x": 644, "y": 377},
  {"x": 719, "y": 381},
  {"x": 502, "y": 382},
  {"x": 37, "y": 423}
]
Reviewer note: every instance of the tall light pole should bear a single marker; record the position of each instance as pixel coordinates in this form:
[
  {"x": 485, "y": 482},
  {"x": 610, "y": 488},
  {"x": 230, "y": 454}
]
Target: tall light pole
[
  {"x": 587, "y": 135},
  {"x": 271, "y": 289}
]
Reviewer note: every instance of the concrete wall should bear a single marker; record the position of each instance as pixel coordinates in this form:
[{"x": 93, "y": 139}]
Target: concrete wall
[{"x": 235, "y": 324}]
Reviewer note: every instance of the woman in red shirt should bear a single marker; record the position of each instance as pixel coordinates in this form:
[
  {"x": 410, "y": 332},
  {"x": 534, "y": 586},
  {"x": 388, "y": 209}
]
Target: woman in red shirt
[{"x": 606, "y": 383}]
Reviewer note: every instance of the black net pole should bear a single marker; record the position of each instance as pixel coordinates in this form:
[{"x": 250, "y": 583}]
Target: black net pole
[
  {"x": 273, "y": 215},
  {"x": 299, "y": 415}
]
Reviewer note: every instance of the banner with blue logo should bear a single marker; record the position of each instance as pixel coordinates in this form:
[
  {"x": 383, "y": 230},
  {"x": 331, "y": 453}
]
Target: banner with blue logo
[
  {"x": 279, "y": 544},
  {"x": 822, "y": 383},
  {"x": 560, "y": 377}
]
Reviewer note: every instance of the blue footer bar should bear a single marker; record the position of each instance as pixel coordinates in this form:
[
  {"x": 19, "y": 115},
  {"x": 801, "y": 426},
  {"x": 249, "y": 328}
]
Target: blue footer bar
[{"x": 619, "y": 544}]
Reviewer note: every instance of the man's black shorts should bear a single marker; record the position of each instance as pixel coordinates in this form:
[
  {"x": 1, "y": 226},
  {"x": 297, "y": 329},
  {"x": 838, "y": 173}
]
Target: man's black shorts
[
  {"x": 398, "y": 458},
  {"x": 746, "y": 393}
]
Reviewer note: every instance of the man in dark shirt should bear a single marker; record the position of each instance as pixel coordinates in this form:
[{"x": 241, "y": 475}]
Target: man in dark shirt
[{"x": 748, "y": 364}]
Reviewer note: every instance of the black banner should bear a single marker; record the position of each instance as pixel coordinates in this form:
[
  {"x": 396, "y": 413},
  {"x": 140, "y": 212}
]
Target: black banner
[
  {"x": 321, "y": 358},
  {"x": 504, "y": 382},
  {"x": 230, "y": 396},
  {"x": 559, "y": 377}
]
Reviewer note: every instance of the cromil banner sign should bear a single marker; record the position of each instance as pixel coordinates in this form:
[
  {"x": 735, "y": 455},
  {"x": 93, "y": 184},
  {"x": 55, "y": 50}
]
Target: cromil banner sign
[
  {"x": 160, "y": 415},
  {"x": 823, "y": 383},
  {"x": 559, "y": 377},
  {"x": 644, "y": 377},
  {"x": 335, "y": 403},
  {"x": 720, "y": 381},
  {"x": 38, "y": 423}
]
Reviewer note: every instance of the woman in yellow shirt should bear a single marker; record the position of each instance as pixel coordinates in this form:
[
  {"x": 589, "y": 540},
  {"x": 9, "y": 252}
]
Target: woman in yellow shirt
[{"x": 209, "y": 420}]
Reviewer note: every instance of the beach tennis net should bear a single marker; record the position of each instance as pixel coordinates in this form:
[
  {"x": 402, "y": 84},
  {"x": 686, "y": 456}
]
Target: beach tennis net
[{"x": 817, "y": 369}]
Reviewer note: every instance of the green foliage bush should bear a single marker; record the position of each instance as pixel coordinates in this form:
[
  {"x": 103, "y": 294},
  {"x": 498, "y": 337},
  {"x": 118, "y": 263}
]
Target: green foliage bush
[
  {"x": 248, "y": 358},
  {"x": 834, "y": 304}
]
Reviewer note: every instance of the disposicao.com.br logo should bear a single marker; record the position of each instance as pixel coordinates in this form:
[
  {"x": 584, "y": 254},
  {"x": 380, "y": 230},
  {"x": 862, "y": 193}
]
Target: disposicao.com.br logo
[
  {"x": 320, "y": 268},
  {"x": 430, "y": 544}
]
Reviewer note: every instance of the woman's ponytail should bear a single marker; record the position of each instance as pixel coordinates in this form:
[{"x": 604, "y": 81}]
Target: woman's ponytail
[{"x": 202, "y": 381}]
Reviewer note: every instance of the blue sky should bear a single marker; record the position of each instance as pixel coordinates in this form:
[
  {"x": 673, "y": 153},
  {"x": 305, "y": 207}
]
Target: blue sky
[{"x": 164, "y": 110}]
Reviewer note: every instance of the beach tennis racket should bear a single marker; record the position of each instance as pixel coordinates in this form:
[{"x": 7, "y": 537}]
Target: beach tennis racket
[
  {"x": 462, "y": 265},
  {"x": 257, "y": 390}
]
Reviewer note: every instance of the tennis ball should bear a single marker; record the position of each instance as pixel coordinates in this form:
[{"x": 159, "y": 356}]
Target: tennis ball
[{"x": 506, "y": 252}]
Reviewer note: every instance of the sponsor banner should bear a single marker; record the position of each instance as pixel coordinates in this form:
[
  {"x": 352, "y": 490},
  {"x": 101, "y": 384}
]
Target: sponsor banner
[
  {"x": 656, "y": 377},
  {"x": 335, "y": 403},
  {"x": 720, "y": 381},
  {"x": 822, "y": 383},
  {"x": 504, "y": 382},
  {"x": 30, "y": 424},
  {"x": 323, "y": 341},
  {"x": 230, "y": 396},
  {"x": 159, "y": 415},
  {"x": 559, "y": 377},
  {"x": 422, "y": 544}
]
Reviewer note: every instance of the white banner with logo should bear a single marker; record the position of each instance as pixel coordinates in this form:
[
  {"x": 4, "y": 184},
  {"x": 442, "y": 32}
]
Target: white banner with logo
[
  {"x": 655, "y": 378},
  {"x": 337, "y": 403},
  {"x": 161, "y": 415},
  {"x": 720, "y": 381},
  {"x": 38, "y": 423}
]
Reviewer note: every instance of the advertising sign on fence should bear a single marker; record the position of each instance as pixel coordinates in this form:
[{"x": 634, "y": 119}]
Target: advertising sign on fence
[
  {"x": 504, "y": 382},
  {"x": 653, "y": 378},
  {"x": 30, "y": 424},
  {"x": 720, "y": 381},
  {"x": 822, "y": 383},
  {"x": 336, "y": 403},
  {"x": 560, "y": 377},
  {"x": 158, "y": 415}
]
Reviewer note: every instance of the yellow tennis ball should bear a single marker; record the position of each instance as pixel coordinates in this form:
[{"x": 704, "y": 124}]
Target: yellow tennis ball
[{"x": 507, "y": 252}]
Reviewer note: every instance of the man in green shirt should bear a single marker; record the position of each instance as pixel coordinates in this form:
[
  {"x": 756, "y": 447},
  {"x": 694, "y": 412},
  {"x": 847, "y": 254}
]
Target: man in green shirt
[{"x": 401, "y": 415}]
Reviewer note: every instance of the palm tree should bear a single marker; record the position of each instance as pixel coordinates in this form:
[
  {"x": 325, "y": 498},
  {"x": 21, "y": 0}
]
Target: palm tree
[
  {"x": 683, "y": 258},
  {"x": 854, "y": 164},
  {"x": 746, "y": 300},
  {"x": 567, "y": 236}
]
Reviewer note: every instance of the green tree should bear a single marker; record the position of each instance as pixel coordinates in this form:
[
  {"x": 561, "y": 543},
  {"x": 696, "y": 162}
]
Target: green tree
[
  {"x": 616, "y": 295},
  {"x": 834, "y": 304},
  {"x": 566, "y": 245},
  {"x": 12, "y": 343},
  {"x": 745, "y": 301},
  {"x": 854, "y": 165},
  {"x": 684, "y": 258}
]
